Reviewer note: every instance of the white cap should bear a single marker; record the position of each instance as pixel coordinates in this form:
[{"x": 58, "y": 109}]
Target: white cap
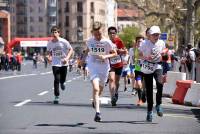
[{"x": 154, "y": 29}]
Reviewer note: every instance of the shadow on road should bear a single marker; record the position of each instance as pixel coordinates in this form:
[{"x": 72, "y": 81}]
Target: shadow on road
[
  {"x": 196, "y": 112},
  {"x": 50, "y": 103},
  {"x": 66, "y": 125},
  {"x": 175, "y": 110},
  {"x": 129, "y": 122}
]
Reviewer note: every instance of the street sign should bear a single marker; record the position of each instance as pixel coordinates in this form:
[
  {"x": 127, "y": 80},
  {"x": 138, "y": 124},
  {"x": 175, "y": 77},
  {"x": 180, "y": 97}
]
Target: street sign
[{"x": 163, "y": 36}]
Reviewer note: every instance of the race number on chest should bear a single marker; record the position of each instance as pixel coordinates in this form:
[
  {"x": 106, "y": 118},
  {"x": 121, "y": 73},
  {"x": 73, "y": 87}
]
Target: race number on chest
[
  {"x": 97, "y": 50},
  {"x": 57, "y": 53},
  {"x": 115, "y": 60},
  {"x": 148, "y": 67}
]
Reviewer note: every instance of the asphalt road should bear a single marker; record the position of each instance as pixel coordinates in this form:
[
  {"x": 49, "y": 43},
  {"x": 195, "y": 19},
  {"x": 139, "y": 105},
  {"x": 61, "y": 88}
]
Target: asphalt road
[{"x": 26, "y": 107}]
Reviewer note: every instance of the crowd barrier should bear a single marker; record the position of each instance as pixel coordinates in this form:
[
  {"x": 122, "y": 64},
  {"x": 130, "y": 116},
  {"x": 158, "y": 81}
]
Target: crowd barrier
[
  {"x": 170, "y": 85},
  {"x": 182, "y": 87},
  {"x": 192, "y": 97}
]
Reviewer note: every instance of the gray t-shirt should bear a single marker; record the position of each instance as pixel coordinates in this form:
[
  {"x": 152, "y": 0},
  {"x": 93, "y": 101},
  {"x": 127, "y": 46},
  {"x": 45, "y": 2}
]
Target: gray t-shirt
[{"x": 59, "y": 51}]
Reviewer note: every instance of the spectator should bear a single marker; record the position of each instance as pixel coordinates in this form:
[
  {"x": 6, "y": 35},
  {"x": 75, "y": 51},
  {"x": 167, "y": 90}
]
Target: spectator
[{"x": 198, "y": 63}]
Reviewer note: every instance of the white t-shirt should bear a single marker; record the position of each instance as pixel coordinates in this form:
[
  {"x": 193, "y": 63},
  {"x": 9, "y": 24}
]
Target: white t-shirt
[
  {"x": 102, "y": 47},
  {"x": 59, "y": 51},
  {"x": 192, "y": 55},
  {"x": 153, "y": 50}
]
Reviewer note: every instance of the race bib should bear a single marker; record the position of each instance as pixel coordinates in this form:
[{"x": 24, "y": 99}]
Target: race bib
[
  {"x": 148, "y": 67},
  {"x": 57, "y": 53},
  {"x": 100, "y": 50},
  {"x": 115, "y": 60}
]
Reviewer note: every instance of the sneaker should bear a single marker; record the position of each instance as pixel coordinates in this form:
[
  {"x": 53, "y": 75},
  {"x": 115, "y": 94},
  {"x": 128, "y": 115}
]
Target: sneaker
[
  {"x": 56, "y": 100},
  {"x": 97, "y": 117},
  {"x": 116, "y": 96},
  {"x": 113, "y": 101},
  {"x": 125, "y": 89},
  {"x": 134, "y": 92},
  {"x": 159, "y": 110},
  {"x": 62, "y": 86},
  {"x": 149, "y": 116}
]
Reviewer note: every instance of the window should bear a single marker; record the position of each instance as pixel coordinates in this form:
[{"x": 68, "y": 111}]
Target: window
[
  {"x": 79, "y": 6},
  {"x": 31, "y": 9},
  {"x": 79, "y": 21},
  {"x": 53, "y": 2},
  {"x": 92, "y": 7},
  {"x": 67, "y": 35},
  {"x": 67, "y": 21},
  {"x": 92, "y": 20},
  {"x": 39, "y": 1},
  {"x": 31, "y": 19},
  {"x": 31, "y": 29},
  {"x": 67, "y": 7},
  {"x": 40, "y": 19},
  {"x": 39, "y": 9}
]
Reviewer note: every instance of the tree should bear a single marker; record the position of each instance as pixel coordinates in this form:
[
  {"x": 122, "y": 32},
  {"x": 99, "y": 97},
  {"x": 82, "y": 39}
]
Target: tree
[{"x": 128, "y": 35}]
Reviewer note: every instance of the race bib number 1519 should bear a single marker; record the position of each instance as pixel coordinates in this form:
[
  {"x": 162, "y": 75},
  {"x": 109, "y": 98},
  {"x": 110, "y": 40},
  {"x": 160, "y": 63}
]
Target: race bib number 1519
[{"x": 97, "y": 51}]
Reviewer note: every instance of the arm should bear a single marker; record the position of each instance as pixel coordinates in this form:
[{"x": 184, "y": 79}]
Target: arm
[
  {"x": 69, "y": 54},
  {"x": 141, "y": 56},
  {"x": 113, "y": 53},
  {"x": 49, "y": 56}
]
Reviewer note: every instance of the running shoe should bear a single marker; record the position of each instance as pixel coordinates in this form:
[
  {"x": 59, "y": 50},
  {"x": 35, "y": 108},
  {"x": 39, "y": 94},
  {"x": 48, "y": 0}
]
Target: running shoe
[
  {"x": 97, "y": 117},
  {"x": 56, "y": 100},
  {"x": 62, "y": 86},
  {"x": 116, "y": 96},
  {"x": 149, "y": 116},
  {"x": 113, "y": 101},
  {"x": 134, "y": 92},
  {"x": 159, "y": 110},
  {"x": 125, "y": 89}
]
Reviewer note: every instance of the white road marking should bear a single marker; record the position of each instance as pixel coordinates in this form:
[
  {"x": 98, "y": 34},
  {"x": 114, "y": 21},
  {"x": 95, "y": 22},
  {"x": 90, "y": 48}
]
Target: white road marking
[
  {"x": 69, "y": 81},
  {"x": 43, "y": 93},
  {"x": 74, "y": 78},
  {"x": 22, "y": 103},
  {"x": 103, "y": 100},
  {"x": 180, "y": 116},
  {"x": 16, "y": 76},
  {"x": 46, "y": 73}
]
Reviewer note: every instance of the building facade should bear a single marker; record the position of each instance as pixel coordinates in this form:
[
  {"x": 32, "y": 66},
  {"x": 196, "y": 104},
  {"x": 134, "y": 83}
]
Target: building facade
[
  {"x": 76, "y": 17},
  {"x": 4, "y": 24},
  {"x": 34, "y": 18}
]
